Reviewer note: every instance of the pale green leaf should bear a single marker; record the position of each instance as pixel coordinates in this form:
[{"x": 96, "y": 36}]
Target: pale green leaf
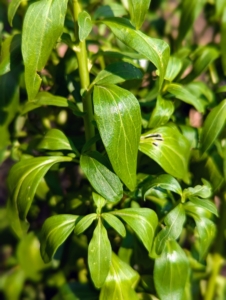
[
  {"x": 115, "y": 223},
  {"x": 99, "y": 202},
  {"x": 120, "y": 282},
  {"x": 99, "y": 255},
  {"x": 169, "y": 148},
  {"x": 155, "y": 50},
  {"x": 43, "y": 25},
  {"x": 203, "y": 191},
  {"x": 138, "y": 11},
  {"x": 55, "y": 231},
  {"x": 143, "y": 221},
  {"x": 173, "y": 68},
  {"x": 120, "y": 129},
  {"x": 205, "y": 203},
  {"x": 23, "y": 180},
  {"x": 84, "y": 25},
  {"x": 84, "y": 223},
  {"x": 104, "y": 181},
  {"x": 171, "y": 272}
]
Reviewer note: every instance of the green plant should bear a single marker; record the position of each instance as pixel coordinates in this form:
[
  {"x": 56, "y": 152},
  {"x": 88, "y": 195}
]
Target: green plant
[{"x": 111, "y": 178}]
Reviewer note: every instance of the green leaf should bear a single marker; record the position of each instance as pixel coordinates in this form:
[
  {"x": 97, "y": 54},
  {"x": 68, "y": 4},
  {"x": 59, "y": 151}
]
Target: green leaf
[
  {"x": 120, "y": 281},
  {"x": 170, "y": 272},
  {"x": 223, "y": 40},
  {"x": 161, "y": 113},
  {"x": 203, "y": 191},
  {"x": 105, "y": 182},
  {"x": 213, "y": 125},
  {"x": 173, "y": 68},
  {"x": 182, "y": 92},
  {"x": 43, "y": 25},
  {"x": 138, "y": 11},
  {"x": 115, "y": 223},
  {"x": 55, "y": 231},
  {"x": 15, "y": 278},
  {"x": 168, "y": 148},
  {"x": 55, "y": 139},
  {"x": 155, "y": 50},
  {"x": 13, "y": 6},
  {"x": 174, "y": 222},
  {"x": 84, "y": 223},
  {"x": 205, "y": 203},
  {"x": 118, "y": 72},
  {"x": 110, "y": 10},
  {"x": 99, "y": 202},
  {"x": 120, "y": 129},
  {"x": 99, "y": 255},
  {"x": 23, "y": 180},
  {"x": 164, "y": 181},
  {"x": 143, "y": 221},
  {"x": 84, "y": 25}
]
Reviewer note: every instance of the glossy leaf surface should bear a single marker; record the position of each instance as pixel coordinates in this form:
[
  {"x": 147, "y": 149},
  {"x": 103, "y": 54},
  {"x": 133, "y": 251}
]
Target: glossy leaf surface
[
  {"x": 43, "y": 25},
  {"x": 205, "y": 203},
  {"x": 84, "y": 223},
  {"x": 55, "y": 231},
  {"x": 115, "y": 223},
  {"x": 119, "y": 129},
  {"x": 99, "y": 255},
  {"x": 84, "y": 24},
  {"x": 138, "y": 11},
  {"x": 143, "y": 221},
  {"x": 173, "y": 68}
]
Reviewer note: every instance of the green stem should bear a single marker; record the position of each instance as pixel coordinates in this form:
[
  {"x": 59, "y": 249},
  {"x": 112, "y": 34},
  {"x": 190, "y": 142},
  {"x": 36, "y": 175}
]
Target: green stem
[{"x": 84, "y": 76}]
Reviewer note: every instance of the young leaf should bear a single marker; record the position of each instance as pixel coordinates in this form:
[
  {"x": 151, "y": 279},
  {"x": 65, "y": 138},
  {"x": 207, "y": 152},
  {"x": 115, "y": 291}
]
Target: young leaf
[
  {"x": 143, "y": 221},
  {"x": 161, "y": 113},
  {"x": 43, "y": 25},
  {"x": 84, "y": 223},
  {"x": 203, "y": 191},
  {"x": 213, "y": 125},
  {"x": 168, "y": 148},
  {"x": 205, "y": 203},
  {"x": 170, "y": 272},
  {"x": 99, "y": 255},
  {"x": 84, "y": 25},
  {"x": 105, "y": 182},
  {"x": 164, "y": 181},
  {"x": 118, "y": 72},
  {"x": 13, "y": 6},
  {"x": 182, "y": 93},
  {"x": 155, "y": 50},
  {"x": 173, "y": 68},
  {"x": 99, "y": 202},
  {"x": 110, "y": 10},
  {"x": 119, "y": 129},
  {"x": 138, "y": 11},
  {"x": 23, "y": 180},
  {"x": 174, "y": 222},
  {"x": 115, "y": 223},
  {"x": 120, "y": 281},
  {"x": 55, "y": 231}
]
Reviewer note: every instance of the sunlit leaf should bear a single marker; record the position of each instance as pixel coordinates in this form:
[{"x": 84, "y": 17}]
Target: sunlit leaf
[
  {"x": 173, "y": 68},
  {"x": 84, "y": 223},
  {"x": 84, "y": 24},
  {"x": 138, "y": 11},
  {"x": 205, "y": 203},
  {"x": 115, "y": 223}
]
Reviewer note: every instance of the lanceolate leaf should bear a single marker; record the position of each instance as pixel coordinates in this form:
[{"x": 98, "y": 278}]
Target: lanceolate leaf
[
  {"x": 55, "y": 231},
  {"x": 104, "y": 181},
  {"x": 170, "y": 272},
  {"x": 84, "y": 24},
  {"x": 43, "y": 25},
  {"x": 213, "y": 125},
  {"x": 120, "y": 281},
  {"x": 13, "y": 6},
  {"x": 173, "y": 68},
  {"x": 119, "y": 128},
  {"x": 23, "y": 180},
  {"x": 138, "y": 11},
  {"x": 115, "y": 223},
  {"x": 99, "y": 255},
  {"x": 157, "y": 51},
  {"x": 168, "y": 148},
  {"x": 205, "y": 203},
  {"x": 84, "y": 223},
  {"x": 142, "y": 220}
]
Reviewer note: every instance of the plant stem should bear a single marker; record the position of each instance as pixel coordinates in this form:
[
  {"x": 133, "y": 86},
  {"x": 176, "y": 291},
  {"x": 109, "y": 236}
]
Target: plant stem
[{"x": 81, "y": 54}]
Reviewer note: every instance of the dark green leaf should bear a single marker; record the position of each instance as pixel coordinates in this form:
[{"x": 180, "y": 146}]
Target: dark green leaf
[
  {"x": 157, "y": 51},
  {"x": 120, "y": 281},
  {"x": 84, "y": 223},
  {"x": 205, "y": 203},
  {"x": 99, "y": 255},
  {"x": 84, "y": 24},
  {"x": 105, "y": 182},
  {"x": 43, "y": 25},
  {"x": 119, "y": 129},
  {"x": 213, "y": 125},
  {"x": 55, "y": 231},
  {"x": 13, "y": 6},
  {"x": 174, "y": 222},
  {"x": 143, "y": 221},
  {"x": 138, "y": 11},
  {"x": 110, "y": 10},
  {"x": 115, "y": 223},
  {"x": 169, "y": 148},
  {"x": 118, "y": 72},
  {"x": 23, "y": 180},
  {"x": 170, "y": 272}
]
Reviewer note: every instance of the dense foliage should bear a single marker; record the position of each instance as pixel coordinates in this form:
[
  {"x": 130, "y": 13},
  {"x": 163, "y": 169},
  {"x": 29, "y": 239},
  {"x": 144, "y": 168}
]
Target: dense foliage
[{"x": 112, "y": 116}]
